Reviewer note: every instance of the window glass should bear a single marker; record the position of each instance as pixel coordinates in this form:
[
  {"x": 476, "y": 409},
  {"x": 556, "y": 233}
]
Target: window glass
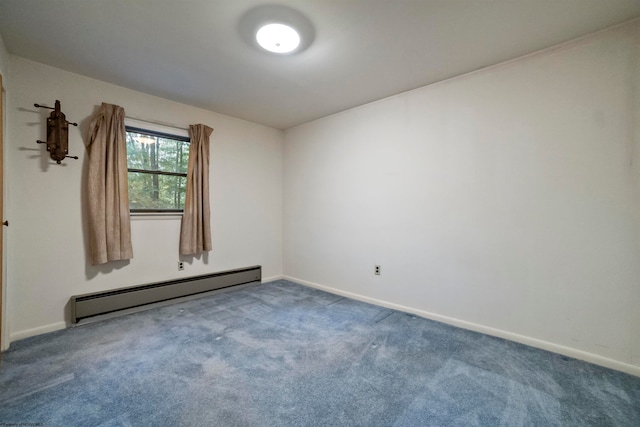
[{"x": 157, "y": 164}]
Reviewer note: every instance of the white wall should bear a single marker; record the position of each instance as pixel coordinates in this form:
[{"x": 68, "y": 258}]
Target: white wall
[
  {"x": 506, "y": 200},
  {"x": 46, "y": 253}
]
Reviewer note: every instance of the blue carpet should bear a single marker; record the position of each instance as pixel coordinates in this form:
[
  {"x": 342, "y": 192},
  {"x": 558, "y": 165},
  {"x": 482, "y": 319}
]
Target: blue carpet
[{"x": 281, "y": 354}]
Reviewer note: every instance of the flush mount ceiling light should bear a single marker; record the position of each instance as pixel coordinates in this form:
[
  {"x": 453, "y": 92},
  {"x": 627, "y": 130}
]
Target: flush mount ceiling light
[
  {"x": 278, "y": 38},
  {"x": 276, "y": 29}
]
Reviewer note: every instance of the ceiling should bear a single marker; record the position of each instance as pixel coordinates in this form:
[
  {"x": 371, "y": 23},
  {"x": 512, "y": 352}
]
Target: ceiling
[{"x": 194, "y": 52}]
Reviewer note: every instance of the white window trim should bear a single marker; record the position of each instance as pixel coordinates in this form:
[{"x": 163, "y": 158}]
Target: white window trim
[{"x": 143, "y": 124}]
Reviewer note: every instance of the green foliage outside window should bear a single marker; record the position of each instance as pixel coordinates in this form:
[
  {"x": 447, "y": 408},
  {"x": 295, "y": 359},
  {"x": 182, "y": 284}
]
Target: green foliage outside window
[{"x": 157, "y": 166}]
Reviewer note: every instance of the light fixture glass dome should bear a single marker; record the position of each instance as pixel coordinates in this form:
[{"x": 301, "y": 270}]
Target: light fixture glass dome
[{"x": 278, "y": 38}]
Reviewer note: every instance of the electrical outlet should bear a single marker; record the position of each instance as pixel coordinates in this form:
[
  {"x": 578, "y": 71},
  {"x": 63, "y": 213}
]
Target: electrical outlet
[
  {"x": 377, "y": 270},
  {"x": 180, "y": 265}
]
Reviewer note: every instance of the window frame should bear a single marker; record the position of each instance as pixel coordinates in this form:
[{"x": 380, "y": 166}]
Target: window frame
[{"x": 136, "y": 128}]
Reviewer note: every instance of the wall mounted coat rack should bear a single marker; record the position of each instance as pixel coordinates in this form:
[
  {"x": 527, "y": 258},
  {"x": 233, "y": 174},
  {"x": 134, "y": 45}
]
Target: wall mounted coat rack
[{"x": 57, "y": 134}]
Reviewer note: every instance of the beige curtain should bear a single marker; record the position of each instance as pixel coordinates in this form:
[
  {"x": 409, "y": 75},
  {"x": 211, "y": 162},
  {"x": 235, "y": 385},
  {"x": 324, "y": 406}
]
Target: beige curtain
[
  {"x": 107, "y": 191},
  {"x": 195, "y": 234}
]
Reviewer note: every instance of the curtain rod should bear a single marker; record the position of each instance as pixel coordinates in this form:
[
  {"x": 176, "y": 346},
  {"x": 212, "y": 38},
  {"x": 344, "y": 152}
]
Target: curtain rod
[{"x": 155, "y": 122}]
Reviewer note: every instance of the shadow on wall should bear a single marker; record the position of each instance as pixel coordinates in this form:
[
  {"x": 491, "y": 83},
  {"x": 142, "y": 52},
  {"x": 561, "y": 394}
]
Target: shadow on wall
[
  {"x": 43, "y": 156},
  {"x": 189, "y": 259}
]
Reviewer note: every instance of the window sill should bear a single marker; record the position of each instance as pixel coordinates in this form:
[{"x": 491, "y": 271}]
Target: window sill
[{"x": 155, "y": 215}]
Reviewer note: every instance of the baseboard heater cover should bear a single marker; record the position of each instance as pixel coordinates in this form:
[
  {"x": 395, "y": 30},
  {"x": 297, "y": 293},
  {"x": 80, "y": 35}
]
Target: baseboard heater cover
[{"x": 97, "y": 303}]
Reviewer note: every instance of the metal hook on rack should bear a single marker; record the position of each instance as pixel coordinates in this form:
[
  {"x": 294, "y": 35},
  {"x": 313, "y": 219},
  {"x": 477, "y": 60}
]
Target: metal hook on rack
[{"x": 57, "y": 134}]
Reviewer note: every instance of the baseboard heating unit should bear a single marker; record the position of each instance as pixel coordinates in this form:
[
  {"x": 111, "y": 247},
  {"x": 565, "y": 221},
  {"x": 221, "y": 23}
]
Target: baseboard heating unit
[{"x": 97, "y": 303}]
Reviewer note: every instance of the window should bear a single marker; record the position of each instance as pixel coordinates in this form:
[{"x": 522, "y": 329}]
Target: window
[{"x": 157, "y": 163}]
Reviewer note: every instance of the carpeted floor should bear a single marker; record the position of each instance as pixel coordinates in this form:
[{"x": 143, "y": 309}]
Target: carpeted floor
[{"x": 281, "y": 354}]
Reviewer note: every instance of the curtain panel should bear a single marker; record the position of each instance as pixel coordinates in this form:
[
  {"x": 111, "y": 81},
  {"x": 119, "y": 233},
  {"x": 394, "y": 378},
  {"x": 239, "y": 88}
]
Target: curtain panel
[
  {"x": 107, "y": 188},
  {"x": 195, "y": 232}
]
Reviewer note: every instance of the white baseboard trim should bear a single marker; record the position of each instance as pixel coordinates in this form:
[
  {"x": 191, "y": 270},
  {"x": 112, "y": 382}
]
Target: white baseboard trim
[
  {"x": 522, "y": 339},
  {"x": 272, "y": 278},
  {"x": 6, "y": 342},
  {"x": 37, "y": 331}
]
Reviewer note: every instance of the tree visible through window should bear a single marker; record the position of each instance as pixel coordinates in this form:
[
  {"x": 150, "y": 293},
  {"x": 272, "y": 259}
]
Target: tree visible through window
[{"x": 157, "y": 163}]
